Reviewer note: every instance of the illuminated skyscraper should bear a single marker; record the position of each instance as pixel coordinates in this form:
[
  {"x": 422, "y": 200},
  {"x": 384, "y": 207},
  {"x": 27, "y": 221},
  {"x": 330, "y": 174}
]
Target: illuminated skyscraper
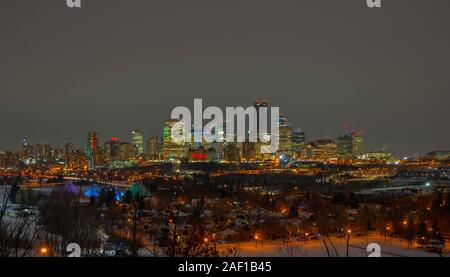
[
  {"x": 126, "y": 151},
  {"x": 92, "y": 144},
  {"x": 173, "y": 150},
  {"x": 322, "y": 150},
  {"x": 113, "y": 148},
  {"x": 232, "y": 152},
  {"x": 259, "y": 104},
  {"x": 285, "y": 136},
  {"x": 252, "y": 150},
  {"x": 350, "y": 145},
  {"x": 43, "y": 152},
  {"x": 68, "y": 152},
  {"x": 101, "y": 158},
  {"x": 298, "y": 141},
  {"x": 358, "y": 144},
  {"x": 154, "y": 147},
  {"x": 57, "y": 154},
  {"x": 345, "y": 146},
  {"x": 248, "y": 151},
  {"x": 137, "y": 140},
  {"x": 27, "y": 153}
]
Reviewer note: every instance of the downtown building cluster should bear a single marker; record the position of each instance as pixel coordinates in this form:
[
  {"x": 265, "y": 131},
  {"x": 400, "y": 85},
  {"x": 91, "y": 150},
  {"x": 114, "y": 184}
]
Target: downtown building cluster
[{"x": 116, "y": 153}]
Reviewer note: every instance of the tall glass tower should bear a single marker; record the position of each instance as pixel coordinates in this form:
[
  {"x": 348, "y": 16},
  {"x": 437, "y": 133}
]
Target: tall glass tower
[
  {"x": 92, "y": 144},
  {"x": 137, "y": 140}
]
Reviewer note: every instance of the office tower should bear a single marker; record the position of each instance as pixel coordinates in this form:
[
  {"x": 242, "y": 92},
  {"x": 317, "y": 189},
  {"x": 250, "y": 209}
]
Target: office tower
[
  {"x": 2, "y": 159},
  {"x": 43, "y": 152},
  {"x": 126, "y": 151},
  {"x": 154, "y": 147},
  {"x": 350, "y": 145},
  {"x": 345, "y": 146},
  {"x": 8, "y": 160},
  {"x": 68, "y": 151},
  {"x": 285, "y": 136},
  {"x": 248, "y": 151},
  {"x": 259, "y": 104},
  {"x": 173, "y": 150},
  {"x": 358, "y": 144},
  {"x": 219, "y": 150},
  {"x": 305, "y": 152},
  {"x": 323, "y": 150},
  {"x": 57, "y": 154},
  {"x": 27, "y": 153},
  {"x": 78, "y": 162},
  {"x": 137, "y": 140},
  {"x": 114, "y": 149},
  {"x": 101, "y": 158},
  {"x": 40, "y": 152},
  {"x": 92, "y": 144},
  {"x": 251, "y": 150},
  {"x": 232, "y": 152},
  {"x": 298, "y": 141},
  {"x": 107, "y": 149}
]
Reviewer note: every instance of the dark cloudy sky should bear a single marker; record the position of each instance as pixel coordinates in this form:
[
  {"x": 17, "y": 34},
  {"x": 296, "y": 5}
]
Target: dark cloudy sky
[{"x": 115, "y": 65}]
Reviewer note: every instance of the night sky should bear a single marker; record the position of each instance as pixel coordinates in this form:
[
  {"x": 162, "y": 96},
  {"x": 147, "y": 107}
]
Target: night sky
[{"x": 116, "y": 65}]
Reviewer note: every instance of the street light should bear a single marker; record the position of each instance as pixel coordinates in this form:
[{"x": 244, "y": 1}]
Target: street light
[
  {"x": 43, "y": 251},
  {"x": 257, "y": 238},
  {"x": 349, "y": 231},
  {"x": 387, "y": 233}
]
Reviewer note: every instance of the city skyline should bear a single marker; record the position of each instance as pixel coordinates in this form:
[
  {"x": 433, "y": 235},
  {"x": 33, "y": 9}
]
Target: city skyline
[
  {"x": 129, "y": 134},
  {"x": 383, "y": 71}
]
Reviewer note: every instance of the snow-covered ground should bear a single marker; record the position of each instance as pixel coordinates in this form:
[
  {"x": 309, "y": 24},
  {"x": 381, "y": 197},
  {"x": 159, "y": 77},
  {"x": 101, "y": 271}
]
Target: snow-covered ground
[{"x": 315, "y": 248}]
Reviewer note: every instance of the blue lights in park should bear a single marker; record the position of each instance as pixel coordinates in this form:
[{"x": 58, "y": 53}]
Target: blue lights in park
[
  {"x": 93, "y": 191},
  {"x": 118, "y": 195},
  {"x": 96, "y": 191}
]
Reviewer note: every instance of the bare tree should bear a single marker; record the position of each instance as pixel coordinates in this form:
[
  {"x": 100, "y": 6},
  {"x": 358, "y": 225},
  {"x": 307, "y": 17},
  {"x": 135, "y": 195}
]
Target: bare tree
[{"x": 19, "y": 235}]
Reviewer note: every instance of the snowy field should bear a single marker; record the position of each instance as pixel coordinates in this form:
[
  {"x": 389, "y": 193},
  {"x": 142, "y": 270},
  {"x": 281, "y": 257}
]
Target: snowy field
[{"x": 315, "y": 248}]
